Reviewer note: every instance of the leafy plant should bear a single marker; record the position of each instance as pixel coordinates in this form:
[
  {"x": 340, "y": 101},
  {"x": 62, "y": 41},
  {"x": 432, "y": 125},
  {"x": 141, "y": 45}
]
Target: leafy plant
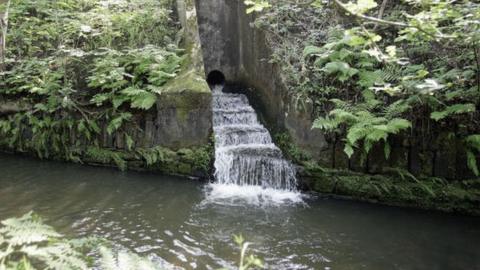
[
  {"x": 256, "y": 5},
  {"x": 246, "y": 262},
  {"x": 419, "y": 58},
  {"x": 27, "y": 243},
  {"x": 473, "y": 148},
  {"x": 80, "y": 69}
]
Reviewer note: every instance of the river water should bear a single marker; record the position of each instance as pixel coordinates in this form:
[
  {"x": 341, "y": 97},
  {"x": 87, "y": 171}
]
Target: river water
[{"x": 183, "y": 223}]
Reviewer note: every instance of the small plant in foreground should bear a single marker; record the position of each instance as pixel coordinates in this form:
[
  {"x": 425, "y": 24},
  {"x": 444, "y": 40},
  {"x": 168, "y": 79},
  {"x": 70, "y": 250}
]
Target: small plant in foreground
[{"x": 26, "y": 243}]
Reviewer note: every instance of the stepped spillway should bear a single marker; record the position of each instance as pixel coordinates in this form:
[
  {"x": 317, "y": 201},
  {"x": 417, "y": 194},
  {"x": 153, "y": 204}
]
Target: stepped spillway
[{"x": 245, "y": 154}]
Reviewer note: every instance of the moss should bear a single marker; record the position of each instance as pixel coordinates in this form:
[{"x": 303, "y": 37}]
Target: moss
[
  {"x": 187, "y": 82},
  {"x": 186, "y": 92},
  {"x": 425, "y": 193},
  {"x": 194, "y": 161},
  {"x": 284, "y": 141}
]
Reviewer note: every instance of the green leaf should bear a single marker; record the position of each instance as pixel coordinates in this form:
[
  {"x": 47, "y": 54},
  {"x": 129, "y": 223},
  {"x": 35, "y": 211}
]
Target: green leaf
[
  {"x": 144, "y": 100},
  {"x": 327, "y": 124},
  {"x": 369, "y": 78},
  {"x": 398, "y": 124},
  {"x": 472, "y": 162},
  {"x": 387, "y": 150},
  {"x": 132, "y": 91},
  {"x": 342, "y": 69},
  {"x": 99, "y": 99},
  {"x": 129, "y": 142},
  {"x": 312, "y": 50},
  {"x": 256, "y": 5},
  {"x": 454, "y": 109},
  {"x": 117, "y": 122},
  {"x": 473, "y": 141},
  {"x": 118, "y": 100},
  {"x": 348, "y": 150},
  {"x": 361, "y": 6}
]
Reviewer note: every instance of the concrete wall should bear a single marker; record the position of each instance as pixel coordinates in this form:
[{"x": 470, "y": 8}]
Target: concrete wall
[{"x": 232, "y": 45}]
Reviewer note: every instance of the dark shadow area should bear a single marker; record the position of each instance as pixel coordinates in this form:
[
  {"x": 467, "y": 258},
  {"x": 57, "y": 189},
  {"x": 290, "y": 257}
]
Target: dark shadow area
[{"x": 215, "y": 77}]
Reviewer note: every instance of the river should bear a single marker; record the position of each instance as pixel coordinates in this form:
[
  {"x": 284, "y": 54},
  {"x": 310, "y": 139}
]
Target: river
[{"x": 178, "y": 223}]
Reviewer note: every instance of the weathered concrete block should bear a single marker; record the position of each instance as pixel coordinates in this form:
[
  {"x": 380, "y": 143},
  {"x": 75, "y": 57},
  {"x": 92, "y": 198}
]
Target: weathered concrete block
[{"x": 184, "y": 113}]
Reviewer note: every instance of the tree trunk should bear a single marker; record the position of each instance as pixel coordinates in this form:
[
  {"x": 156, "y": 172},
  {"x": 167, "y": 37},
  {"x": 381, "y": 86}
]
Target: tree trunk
[{"x": 4, "y": 6}]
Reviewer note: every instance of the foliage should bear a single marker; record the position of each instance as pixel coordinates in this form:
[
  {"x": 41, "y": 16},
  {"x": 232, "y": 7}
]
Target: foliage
[
  {"x": 124, "y": 260},
  {"x": 362, "y": 126},
  {"x": 80, "y": 69},
  {"x": 401, "y": 188},
  {"x": 292, "y": 152},
  {"x": 105, "y": 156},
  {"x": 473, "y": 148},
  {"x": 256, "y": 5},
  {"x": 246, "y": 262},
  {"x": 27, "y": 243},
  {"x": 197, "y": 158},
  {"x": 368, "y": 64},
  {"x": 133, "y": 76}
]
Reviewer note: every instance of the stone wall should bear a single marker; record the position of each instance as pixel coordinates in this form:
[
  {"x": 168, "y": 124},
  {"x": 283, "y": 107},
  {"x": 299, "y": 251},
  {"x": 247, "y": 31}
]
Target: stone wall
[
  {"x": 178, "y": 128},
  {"x": 233, "y": 46}
]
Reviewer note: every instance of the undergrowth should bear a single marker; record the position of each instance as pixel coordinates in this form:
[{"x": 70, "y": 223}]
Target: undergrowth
[
  {"x": 374, "y": 69},
  {"x": 78, "y": 73}
]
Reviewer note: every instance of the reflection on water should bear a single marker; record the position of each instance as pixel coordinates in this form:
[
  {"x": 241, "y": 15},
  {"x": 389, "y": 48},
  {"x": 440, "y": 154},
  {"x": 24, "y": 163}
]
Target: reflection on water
[{"x": 172, "y": 221}]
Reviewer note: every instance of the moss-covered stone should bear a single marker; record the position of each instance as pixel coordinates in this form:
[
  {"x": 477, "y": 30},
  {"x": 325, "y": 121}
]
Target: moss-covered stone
[{"x": 397, "y": 189}]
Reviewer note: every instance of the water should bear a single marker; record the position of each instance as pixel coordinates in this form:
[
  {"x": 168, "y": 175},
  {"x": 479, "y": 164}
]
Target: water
[
  {"x": 174, "y": 222},
  {"x": 247, "y": 163}
]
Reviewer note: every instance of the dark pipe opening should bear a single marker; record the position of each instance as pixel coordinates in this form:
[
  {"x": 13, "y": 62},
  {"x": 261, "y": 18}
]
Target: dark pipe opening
[{"x": 215, "y": 78}]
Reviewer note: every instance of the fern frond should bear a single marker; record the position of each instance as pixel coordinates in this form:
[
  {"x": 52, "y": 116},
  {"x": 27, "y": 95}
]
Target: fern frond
[
  {"x": 123, "y": 260},
  {"x": 396, "y": 109},
  {"x": 454, "y": 109},
  {"x": 327, "y": 123},
  {"x": 26, "y": 230},
  {"x": 398, "y": 124},
  {"x": 472, "y": 162}
]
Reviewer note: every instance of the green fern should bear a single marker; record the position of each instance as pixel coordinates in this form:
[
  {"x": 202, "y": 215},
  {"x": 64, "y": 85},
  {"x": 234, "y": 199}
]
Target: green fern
[
  {"x": 106, "y": 156},
  {"x": 117, "y": 122},
  {"x": 454, "y": 109},
  {"x": 37, "y": 244},
  {"x": 472, "y": 143},
  {"x": 124, "y": 260},
  {"x": 362, "y": 126},
  {"x": 391, "y": 73},
  {"x": 155, "y": 155}
]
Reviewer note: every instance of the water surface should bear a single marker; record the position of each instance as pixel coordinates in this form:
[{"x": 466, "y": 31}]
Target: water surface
[{"x": 174, "y": 222}]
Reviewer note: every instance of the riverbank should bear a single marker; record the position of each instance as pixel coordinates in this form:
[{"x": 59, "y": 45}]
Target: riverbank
[{"x": 397, "y": 189}]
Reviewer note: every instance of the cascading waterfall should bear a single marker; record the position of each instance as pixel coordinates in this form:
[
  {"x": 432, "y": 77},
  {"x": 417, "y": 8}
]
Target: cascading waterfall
[{"x": 246, "y": 159}]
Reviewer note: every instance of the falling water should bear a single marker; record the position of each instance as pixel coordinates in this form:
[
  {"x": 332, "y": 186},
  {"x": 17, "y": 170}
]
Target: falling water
[{"x": 246, "y": 159}]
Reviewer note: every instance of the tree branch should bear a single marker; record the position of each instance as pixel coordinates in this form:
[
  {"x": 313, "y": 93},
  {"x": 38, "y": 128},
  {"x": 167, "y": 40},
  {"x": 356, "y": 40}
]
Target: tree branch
[
  {"x": 369, "y": 18},
  {"x": 380, "y": 13},
  {"x": 386, "y": 22}
]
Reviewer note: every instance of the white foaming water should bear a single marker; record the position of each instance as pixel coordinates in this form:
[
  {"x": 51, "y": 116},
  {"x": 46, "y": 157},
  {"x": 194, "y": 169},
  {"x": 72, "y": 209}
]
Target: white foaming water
[
  {"x": 251, "y": 194},
  {"x": 248, "y": 165}
]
